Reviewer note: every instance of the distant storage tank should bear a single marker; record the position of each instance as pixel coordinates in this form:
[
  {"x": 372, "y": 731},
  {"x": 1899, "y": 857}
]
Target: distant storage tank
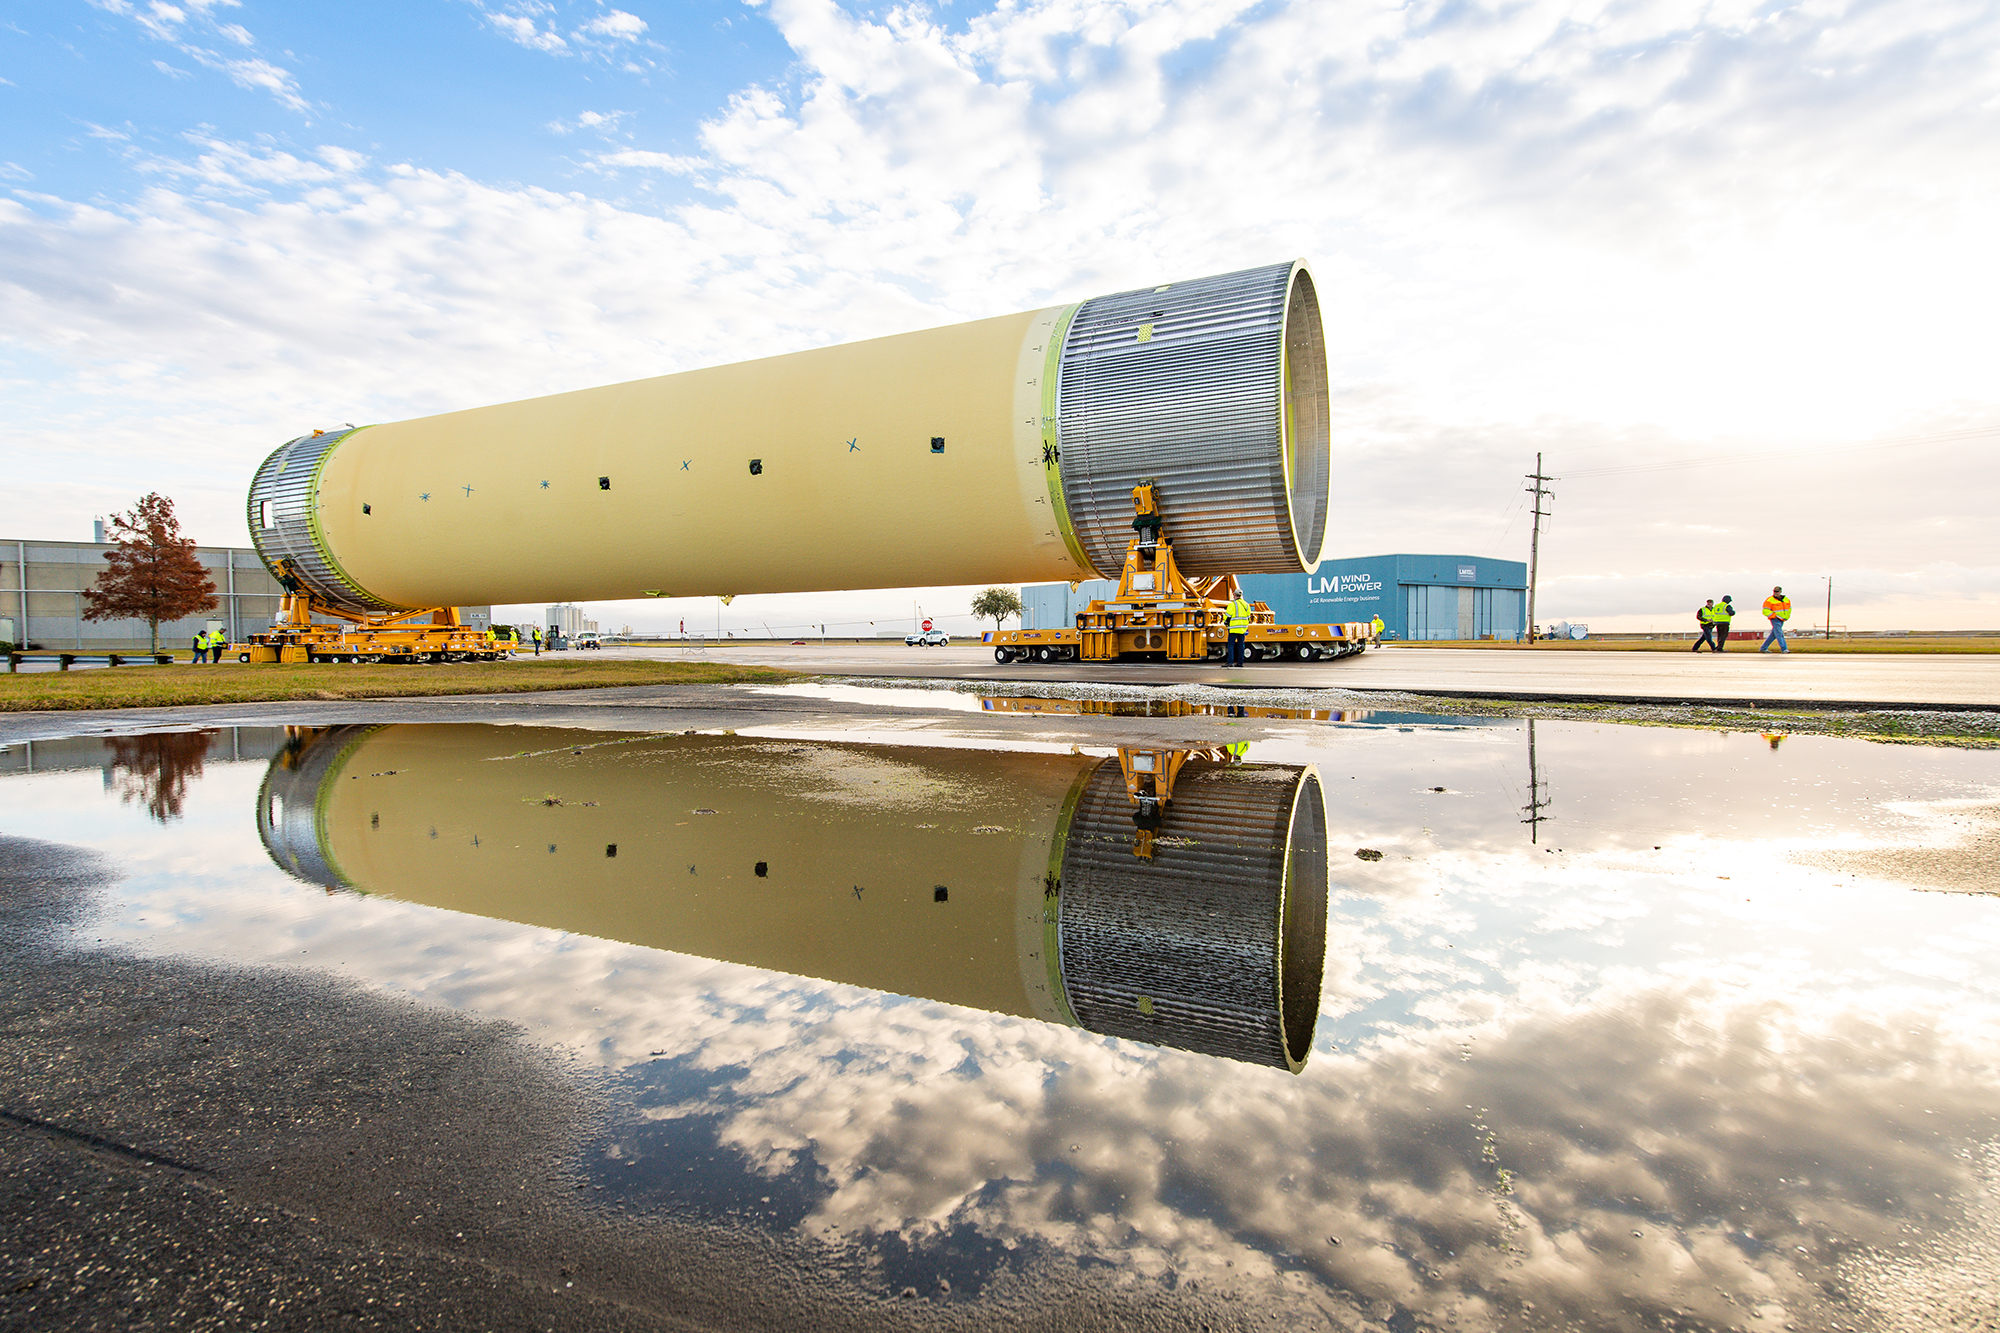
[
  {"x": 1000, "y": 881},
  {"x": 1003, "y": 450}
]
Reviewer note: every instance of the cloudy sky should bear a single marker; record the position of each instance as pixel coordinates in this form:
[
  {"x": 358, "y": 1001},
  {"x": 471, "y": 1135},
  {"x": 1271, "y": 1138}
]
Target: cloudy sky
[{"x": 1728, "y": 265}]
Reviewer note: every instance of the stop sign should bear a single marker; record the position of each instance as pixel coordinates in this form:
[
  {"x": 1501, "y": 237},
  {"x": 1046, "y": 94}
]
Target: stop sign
[{"x": 927, "y": 626}]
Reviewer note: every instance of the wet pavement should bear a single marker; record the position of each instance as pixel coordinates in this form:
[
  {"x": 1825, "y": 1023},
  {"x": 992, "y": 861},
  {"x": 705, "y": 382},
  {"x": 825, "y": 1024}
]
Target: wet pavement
[
  {"x": 1933, "y": 680},
  {"x": 796, "y": 1010}
]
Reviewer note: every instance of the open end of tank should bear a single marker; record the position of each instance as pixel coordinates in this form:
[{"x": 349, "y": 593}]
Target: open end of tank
[
  {"x": 1307, "y": 420},
  {"x": 1302, "y": 930},
  {"x": 1215, "y": 391}
]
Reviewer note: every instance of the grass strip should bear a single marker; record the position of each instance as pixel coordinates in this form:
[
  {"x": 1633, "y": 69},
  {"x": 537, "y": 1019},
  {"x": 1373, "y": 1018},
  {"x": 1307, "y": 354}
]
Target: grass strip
[{"x": 181, "y": 686}]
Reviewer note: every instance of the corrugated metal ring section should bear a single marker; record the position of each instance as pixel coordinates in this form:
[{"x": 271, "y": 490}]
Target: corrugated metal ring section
[
  {"x": 1210, "y": 946},
  {"x": 288, "y": 804},
  {"x": 289, "y": 530},
  {"x": 1187, "y": 384}
]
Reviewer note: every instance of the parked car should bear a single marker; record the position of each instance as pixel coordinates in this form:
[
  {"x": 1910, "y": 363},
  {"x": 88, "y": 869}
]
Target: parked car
[
  {"x": 586, "y": 641},
  {"x": 930, "y": 638}
]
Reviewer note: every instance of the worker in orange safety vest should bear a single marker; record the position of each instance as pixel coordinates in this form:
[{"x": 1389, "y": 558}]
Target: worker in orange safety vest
[{"x": 1777, "y": 610}]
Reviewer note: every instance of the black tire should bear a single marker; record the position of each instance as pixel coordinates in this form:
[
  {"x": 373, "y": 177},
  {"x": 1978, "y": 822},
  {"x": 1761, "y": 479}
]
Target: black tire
[
  {"x": 1003, "y": 656},
  {"x": 1307, "y": 652},
  {"x": 1045, "y": 655}
]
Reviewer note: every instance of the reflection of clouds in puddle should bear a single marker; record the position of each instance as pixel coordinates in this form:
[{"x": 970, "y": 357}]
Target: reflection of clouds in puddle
[
  {"x": 1524, "y": 1058},
  {"x": 880, "y": 696},
  {"x": 1729, "y": 1108}
]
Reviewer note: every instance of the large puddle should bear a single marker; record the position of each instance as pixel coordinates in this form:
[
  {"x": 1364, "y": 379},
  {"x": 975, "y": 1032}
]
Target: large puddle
[{"x": 1406, "y": 1026}]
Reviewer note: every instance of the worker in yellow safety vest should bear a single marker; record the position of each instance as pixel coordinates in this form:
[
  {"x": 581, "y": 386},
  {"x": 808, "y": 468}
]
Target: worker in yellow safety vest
[
  {"x": 1777, "y": 610},
  {"x": 1724, "y": 612},
  {"x": 1239, "y": 625},
  {"x": 1704, "y": 615},
  {"x": 1375, "y": 627}
]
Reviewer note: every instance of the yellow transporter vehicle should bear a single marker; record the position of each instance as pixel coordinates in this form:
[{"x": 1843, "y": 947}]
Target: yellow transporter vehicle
[
  {"x": 433, "y": 634},
  {"x": 1159, "y": 612}
]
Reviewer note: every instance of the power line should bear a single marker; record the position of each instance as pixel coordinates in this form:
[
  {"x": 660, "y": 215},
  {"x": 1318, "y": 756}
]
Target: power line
[{"x": 1716, "y": 460}]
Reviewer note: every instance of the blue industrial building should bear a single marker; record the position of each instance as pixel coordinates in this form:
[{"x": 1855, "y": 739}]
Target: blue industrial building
[{"x": 1417, "y": 596}]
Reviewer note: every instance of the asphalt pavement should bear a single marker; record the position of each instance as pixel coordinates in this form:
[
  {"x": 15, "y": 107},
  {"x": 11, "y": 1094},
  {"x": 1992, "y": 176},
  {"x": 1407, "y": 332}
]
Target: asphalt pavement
[{"x": 1827, "y": 680}]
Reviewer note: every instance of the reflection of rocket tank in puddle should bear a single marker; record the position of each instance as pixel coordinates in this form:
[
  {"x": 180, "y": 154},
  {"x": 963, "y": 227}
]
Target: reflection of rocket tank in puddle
[{"x": 1169, "y": 896}]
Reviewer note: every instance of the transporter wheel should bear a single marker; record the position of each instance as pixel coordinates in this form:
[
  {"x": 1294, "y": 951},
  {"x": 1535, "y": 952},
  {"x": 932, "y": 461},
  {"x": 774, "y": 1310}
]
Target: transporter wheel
[
  {"x": 1002, "y": 656},
  {"x": 242, "y": 657},
  {"x": 1307, "y": 652},
  {"x": 1045, "y": 654}
]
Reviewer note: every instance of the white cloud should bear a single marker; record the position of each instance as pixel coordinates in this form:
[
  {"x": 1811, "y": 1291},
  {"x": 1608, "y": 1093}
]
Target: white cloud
[
  {"x": 169, "y": 23},
  {"x": 521, "y": 29},
  {"x": 617, "y": 25},
  {"x": 671, "y": 163},
  {"x": 255, "y": 74},
  {"x": 604, "y": 122},
  {"x": 536, "y": 25}
]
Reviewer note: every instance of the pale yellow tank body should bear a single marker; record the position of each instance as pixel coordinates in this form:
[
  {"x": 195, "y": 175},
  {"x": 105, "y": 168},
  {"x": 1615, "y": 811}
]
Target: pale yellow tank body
[
  {"x": 1001, "y": 450},
  {"x": 647, "y": 487}
]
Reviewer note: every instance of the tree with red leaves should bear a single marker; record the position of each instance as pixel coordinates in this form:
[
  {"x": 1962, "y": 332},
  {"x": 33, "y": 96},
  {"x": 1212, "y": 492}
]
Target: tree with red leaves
[{"x": 154, "y": 575}]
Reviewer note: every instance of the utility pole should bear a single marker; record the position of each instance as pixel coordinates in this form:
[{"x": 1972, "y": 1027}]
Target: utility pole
[
  {"x": 1536, "y": 488},
  {"x": 1829, "y": 607},
  {"x": 1537, "y": 792}
]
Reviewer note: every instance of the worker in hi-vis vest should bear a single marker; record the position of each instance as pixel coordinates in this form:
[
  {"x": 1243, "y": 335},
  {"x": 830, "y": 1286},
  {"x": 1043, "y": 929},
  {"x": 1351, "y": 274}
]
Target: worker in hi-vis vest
[
  {"x": 1239, "y": 625},
  {"x": 1704, "y": 616},
  {"x": 1375, "y": 627},
  {"x": 1719, "y": 618},
  {"x": 1777, "y": 610}
]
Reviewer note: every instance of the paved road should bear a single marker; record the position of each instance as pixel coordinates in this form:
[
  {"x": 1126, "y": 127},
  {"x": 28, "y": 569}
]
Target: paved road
[{"x": 1886, "y": 680}]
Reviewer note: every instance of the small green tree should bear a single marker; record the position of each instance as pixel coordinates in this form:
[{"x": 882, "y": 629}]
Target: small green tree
[
  {"x": 154, "y": 575},
  {"x": 996, "y": 604}
]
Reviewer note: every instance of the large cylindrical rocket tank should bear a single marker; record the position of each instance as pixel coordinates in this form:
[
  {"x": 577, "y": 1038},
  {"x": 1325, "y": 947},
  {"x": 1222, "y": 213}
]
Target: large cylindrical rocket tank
[
  {"x": 1001, "y": 450},
  {"x": 1000, "y": 881}
]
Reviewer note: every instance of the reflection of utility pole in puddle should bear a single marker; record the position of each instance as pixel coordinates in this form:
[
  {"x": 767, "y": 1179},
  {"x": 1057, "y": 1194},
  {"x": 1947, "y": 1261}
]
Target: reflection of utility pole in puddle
[{"x": 1538, "y": 796}]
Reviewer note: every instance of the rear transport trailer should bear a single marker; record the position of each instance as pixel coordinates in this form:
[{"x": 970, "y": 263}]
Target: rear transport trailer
[{"x": 1160, "y": 614}]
